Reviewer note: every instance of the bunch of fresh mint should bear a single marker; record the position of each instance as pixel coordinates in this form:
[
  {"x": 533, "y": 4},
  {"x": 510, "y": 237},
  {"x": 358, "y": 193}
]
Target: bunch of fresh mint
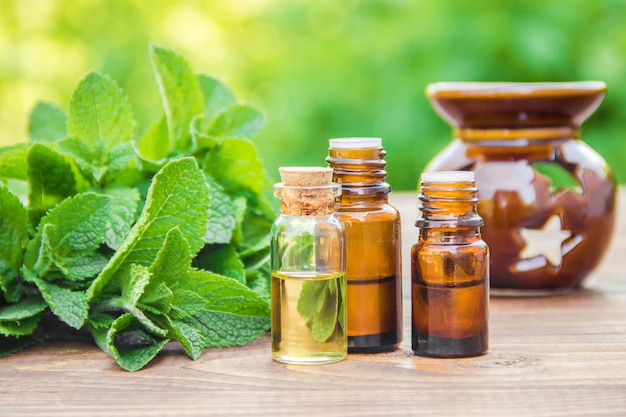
[{"x": 136, "y": 242}]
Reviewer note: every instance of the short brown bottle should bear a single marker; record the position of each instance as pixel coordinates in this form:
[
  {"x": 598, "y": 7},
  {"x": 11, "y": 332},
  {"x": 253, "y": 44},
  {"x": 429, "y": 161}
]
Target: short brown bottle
[
  {"x": 373, "y": 245},
  {"x": 450, "y": 270}
]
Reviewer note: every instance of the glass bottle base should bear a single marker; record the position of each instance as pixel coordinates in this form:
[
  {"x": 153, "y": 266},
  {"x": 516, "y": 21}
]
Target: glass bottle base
[
  {"x": 313, "y": 359},
  {"x": 374, "y": 343},
  {"x": 441, "y": 347}
]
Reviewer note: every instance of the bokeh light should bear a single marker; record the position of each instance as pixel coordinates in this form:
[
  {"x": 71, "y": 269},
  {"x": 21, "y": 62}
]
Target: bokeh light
[{"x": 319, "y": 68}]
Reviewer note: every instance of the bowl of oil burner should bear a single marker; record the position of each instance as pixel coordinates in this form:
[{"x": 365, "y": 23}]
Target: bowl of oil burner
[{"x": 547, "y": 198}]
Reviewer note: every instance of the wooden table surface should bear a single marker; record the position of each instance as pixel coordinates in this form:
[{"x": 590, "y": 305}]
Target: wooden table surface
[{"x": 551, "y": 356}]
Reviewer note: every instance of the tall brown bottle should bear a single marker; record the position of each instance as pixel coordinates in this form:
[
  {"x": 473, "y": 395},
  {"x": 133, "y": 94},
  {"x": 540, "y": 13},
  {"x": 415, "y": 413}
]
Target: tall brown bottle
[
  {"x": 450, "y": 270},
  {"x": 373, "y": 245}
]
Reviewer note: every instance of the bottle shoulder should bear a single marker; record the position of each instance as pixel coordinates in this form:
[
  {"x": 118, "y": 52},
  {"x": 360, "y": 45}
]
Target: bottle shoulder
[
  {"x": 446, "y": 243},
  {"x": 381, "y": 209}
]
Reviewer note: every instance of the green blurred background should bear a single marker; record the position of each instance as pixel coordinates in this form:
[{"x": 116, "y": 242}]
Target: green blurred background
[{"x": 320, "y": 68}]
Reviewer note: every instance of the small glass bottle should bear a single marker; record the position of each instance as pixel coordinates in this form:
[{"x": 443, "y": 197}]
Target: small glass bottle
[
  {"x": 373, "y": 245},
  {"x": 308, "y": 288},
  {"x": 450, "y": 270}
]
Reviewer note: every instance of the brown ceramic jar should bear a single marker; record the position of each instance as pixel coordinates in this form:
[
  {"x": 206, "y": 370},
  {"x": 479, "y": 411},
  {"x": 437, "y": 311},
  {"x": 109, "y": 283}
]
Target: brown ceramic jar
[{"x": 547, "y": 198}]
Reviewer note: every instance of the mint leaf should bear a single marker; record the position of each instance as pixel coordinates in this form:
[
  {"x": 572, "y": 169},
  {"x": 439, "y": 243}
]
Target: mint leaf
[
  {"x": 178, "y": 196},
  {"x": 173, "y": 260},
  {"x": 325, "y": 321},
  {"x": 201, "y": 140},
  {"x": 50, "y": 176},
  {"x": 122, "y": 214},
  {"x": 128, "y": 343},
  {"x": 38, "y": 255},
  {"x": 89, "y": 159},
  {"x": 43, "y": 255},
  {"x": 237, "y": 121},
  {"x": 21, "y": 319},
  {"x": 100, "y": 121},
  {"x": 222, "y": 220},
  {"x": 189, "y": 337},
  {"x": 47, "y": 123},
  {"x": 216, "y": 96},
  {"x": 169, "y": 270},
  {"x": 224, "y": 260},
  {"x": 297, "y": 250},
  {"x": 258, "y": 271},
  {"x": 234, "y": 164},
  {"x": 240, "y": 205},
  {"x": 220, "y": 293},
  {"x": 19, "y": 328},
  {"x": 13, "y": 239},
  {"x": 182, "y": 99},
  {"x": 100, "y": 114},
  {"x": 83, "y": 267},
  {"x": 80, "y": 223},
  {"x": 134, "y": 285},
  {"x": 124, "y": 166},
  {"x": 132, "y": 289},
  {"x": 68, "y": 305},
  {"x": 10, "y": 284},
  {"x": 254, "y": 232},
  {"x": 233, "y": 315},
  {"x": 28, "y": 307},
  {"x": 72, "y": 229},
  {"x": 311, "y": 300},
  {"x": 13, "y": 163},
  {"x": 155, "y": 142},
  {"x": 99, "y": 321},
  {"x": 259, "y": 281},
  {"x": 158, "y": 297},
  {"x": 118, "y": 165},
  {"x": 227, "y": 329},
  {"x": 186, "y": 303},
  {"x": 319, "y": 302}
]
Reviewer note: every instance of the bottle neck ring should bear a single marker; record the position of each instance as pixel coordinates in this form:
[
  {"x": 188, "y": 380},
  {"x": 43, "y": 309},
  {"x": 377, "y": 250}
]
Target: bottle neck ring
[
  {"x": 359, "y": 171},
  {"x": 540, "y": 133}
]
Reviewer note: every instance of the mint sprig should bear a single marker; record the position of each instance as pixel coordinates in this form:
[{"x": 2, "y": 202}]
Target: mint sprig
[{"x": 137, "y": 240}]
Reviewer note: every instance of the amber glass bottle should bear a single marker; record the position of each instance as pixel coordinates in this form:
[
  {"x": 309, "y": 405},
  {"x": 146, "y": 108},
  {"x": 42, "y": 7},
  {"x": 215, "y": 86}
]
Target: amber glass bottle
[
  {"x": 450, "y": 270},
  {"x": 373, "y": 245}
]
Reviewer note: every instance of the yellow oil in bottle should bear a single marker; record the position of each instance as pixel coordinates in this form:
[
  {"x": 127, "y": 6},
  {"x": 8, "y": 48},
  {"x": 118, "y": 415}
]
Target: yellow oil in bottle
[{"x": 309, "y": 320}]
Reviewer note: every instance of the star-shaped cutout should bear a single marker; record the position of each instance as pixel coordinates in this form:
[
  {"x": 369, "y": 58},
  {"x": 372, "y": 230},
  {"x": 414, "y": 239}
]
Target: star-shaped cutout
[{"x": 545, "y": 242}]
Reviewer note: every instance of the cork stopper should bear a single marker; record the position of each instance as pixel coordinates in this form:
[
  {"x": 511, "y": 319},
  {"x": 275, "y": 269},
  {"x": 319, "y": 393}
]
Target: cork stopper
[
  {"x": 305, "y": 176},
  {"x": 307, "y": 191}
]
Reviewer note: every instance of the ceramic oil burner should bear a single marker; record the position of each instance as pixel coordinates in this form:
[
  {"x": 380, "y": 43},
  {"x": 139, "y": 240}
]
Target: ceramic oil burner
[{"x": 547, "y": 198}]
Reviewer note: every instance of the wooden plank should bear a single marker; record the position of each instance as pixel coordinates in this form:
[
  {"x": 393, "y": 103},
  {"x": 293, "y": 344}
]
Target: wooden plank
[{"x": 551, "y": 356}]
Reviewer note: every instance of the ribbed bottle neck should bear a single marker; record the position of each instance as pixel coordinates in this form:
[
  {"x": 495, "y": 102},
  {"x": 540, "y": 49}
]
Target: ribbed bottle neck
[
  {"x": 360, "y": 172},
  {"x": 449, "y": 204}
]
